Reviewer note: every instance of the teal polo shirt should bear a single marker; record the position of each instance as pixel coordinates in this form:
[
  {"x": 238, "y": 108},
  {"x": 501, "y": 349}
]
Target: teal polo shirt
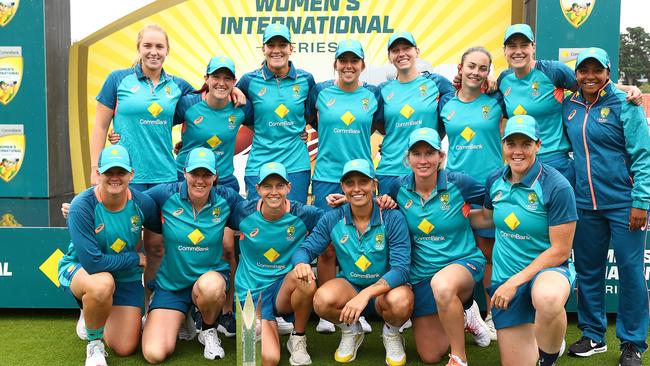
[
  {"x": 193, "y": 239},
  {"x": 214, "y": 129},
  {"x": 407, "y": 107},
  {"x": 345, "y": 122},
  {"x": 381, "y": 251},
  {"x": 523, "y": 213},
  {"x": 279, "y": 118},
  {"x": 438, "y": 225},
  {"x": 267, "y": 246},
  {"x": 143, "y": 116},
  {"x": 540, "y": 94},
  {"x": 474, "y": 133}
]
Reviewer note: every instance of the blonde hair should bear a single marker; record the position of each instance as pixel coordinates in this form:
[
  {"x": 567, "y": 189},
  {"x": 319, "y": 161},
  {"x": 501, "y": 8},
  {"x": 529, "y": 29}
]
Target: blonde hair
[{"x": 148, "y": 27}]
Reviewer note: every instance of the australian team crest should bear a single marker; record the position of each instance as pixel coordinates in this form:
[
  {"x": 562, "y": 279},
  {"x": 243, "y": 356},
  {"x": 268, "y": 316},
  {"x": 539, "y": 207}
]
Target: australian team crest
[
  {"x": 296, "y": 91},
  {"x": 291, "y": 233},
  {"x": 423, "y": 90},
  {"x": 379, "y": 241},
  {"x": 364, "y": 103},
  {"x": 576, "y": 12},
  {"x": 231, "y": 122},
  {"x": 8, "y": 9},
  {"x": 535, "y": 87},
  {"x": 216, "y": 214},
  {"x": 12, "y": 150},
  {"x": 135, "y": 223},
  {"x": 11, "y": 72},
  {"x": 604, "y": 112},
  {"x": 444, "y": 201},
  {"x": 8, "y": 220},
  {"x": 532, "y": 198},
  {"x": 486, "y": 111}
]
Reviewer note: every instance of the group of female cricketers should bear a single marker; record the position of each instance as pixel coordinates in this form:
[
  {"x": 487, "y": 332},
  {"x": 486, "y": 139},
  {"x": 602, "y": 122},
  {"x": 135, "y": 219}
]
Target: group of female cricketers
[{"x": 504, "y": 205}]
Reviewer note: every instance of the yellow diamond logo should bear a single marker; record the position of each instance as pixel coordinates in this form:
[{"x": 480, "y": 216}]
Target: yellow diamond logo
[
  {"x": 281, "y": 110},
  {"x": 519, "y": 110},
  {"x": 114, "y": 151},
  {"x": 271, "y": 255},
  {"x": 118, "y": 245},
  {"x": 155, "y": 109},
  {"x": 363, "y": 263},
  {"x": 512, "y": 221},
  {"x": 467, "y": 134},
  {"x": 50, "y": 267},
  {"x": 425, "y": 226},
  {"x": 196, "y": 236},
  {"x": 407, "y": 111},
  {"x": 348, "y": 118},
  {"x": 214, "y": 141}
]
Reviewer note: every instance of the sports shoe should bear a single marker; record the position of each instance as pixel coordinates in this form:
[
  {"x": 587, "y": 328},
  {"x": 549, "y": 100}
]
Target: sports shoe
[
  {"x": 630, "y": 355},
  {"x": 455, "y": 361},
  {"x": 297, "y": 346},
  {"x": 365, "y": 325},
  {"x": 95, "y": 353},
  {"x": 284, "y": 327},
  {"x": 562, "y": 349},
  {"x": 210, "y": 339},
  {"x": 350, "y": 342},
  {"x": 81, "y": 327},
  {"x": 187, "y": 331},
  {"x": 325, "y": 326},
  {"x": 394, "y": 345},
  {"x": 490, "y": 324},
  {"x": 475, "y": 325},
  {"x": 227, "y": 325},
  {"x": 405, "y": 326},
  {"x": 585, "y": 347}
]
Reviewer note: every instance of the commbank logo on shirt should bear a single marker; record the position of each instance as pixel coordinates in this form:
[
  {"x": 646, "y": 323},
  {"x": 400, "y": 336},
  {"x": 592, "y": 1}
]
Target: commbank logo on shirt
[
  {"x": 281, "y": 110},
  {"x": 468, "y": 134},
  {"x": 363, "y": 263},
  {"x": 348, "y": 118},
  {"x": 512, "y": 221},
  {"x": 407, "y": 111},
  {"x": 519, "y": 110},
  {"x": 196, "y": 236},
  {"x": 271, "y": 255},
  {"x": 155, "y": 109},
  {"x": 425, "y": 226},
  {"x": 118, "y": 245},
  {"x": 214, "y": 141}
]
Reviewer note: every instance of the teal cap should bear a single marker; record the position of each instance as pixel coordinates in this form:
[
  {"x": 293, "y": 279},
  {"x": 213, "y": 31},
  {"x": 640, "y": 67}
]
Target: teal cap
[
  {"x": 220, "y": 62},
  {"x": 426, "y": 134},
  {"x": 523, "y": 29},
  {"x": 275, "y": 30},
  {"x": 362, "y": 166},
  {"x": 114, "y": 156},
  {"x": 598, "y": 54},
  {"x": 272, "y": 168},
  {"x": 349, "y": 45},
  {"x": 201, "y": 157},
  {"x": 407, "y": 36},
  {"x": 523, "y": 124}
]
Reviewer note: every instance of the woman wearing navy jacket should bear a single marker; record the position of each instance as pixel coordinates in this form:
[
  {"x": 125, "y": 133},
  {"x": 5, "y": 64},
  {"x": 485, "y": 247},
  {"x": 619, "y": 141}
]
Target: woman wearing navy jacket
[{"x": 612, "y": 161}]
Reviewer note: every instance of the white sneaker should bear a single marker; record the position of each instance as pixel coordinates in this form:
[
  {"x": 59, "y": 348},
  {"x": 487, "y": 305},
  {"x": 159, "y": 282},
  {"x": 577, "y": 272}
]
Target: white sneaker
[
  {"x": 81, "y": 327},
  {"x": 405, "y": 326},
  {"x": 394, "y": 345},
  {"x": 476, "y": 326},
  {"x": 95, "y": 353},
  {"x": 284, "y": 327},
  {"x": 365, "y": 325},
  {"x": 297, "y": 346},
  {"x": 325, "y": 326},
  {"x": 455, "y": 361},
  {"x": 490, "y": 325},
  {"x": 187, "y": 331},
  {"x": 562, "y": 348},
  {"x": 350, "y": 342},
  {"x": 210, "y": 339}
]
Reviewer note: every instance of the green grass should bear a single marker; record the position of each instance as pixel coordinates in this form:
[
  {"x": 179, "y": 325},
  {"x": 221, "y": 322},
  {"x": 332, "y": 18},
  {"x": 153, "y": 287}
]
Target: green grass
[{"x": 39, "y": 337}]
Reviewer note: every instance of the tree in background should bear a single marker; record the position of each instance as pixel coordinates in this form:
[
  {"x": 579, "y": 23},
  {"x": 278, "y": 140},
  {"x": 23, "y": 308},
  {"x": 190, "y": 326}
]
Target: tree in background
[{"x": 634, "y": 57}]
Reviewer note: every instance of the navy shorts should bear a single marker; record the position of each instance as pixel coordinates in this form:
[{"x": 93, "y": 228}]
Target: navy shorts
[
  {"x": 320, "y": 190},
  {"x": 180, "y": 300},
  {"x": 520, "y": 308},
  {"x": 425, "y": 304},
  {"x": 385, "y": 182}
]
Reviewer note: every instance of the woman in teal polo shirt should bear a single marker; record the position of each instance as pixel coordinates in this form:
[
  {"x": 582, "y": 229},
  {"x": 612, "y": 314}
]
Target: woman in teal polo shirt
[{"x": 533, "y": 209}]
